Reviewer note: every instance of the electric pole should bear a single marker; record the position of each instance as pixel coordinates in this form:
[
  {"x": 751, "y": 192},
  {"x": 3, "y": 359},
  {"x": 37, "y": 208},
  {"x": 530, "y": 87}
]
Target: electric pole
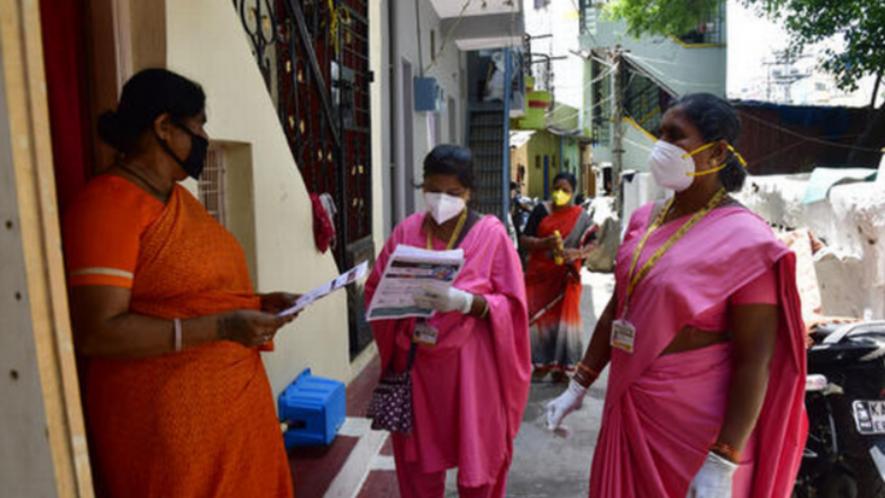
[{"x": 617, "y": 129}]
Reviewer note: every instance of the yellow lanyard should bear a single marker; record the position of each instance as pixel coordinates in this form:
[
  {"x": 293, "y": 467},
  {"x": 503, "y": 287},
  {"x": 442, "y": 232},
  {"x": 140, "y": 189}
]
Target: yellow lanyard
[
  {"x": 634, "y": 277},
  {"x": 455, "y": 234}
]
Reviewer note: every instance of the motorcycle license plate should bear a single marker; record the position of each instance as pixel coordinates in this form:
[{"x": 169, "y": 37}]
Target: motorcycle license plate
[{"x": 869, "y": 416}]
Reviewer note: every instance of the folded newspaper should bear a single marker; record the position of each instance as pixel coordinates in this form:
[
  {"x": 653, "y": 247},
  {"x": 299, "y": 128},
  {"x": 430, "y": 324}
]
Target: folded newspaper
[{"x": 411, "y": 271}]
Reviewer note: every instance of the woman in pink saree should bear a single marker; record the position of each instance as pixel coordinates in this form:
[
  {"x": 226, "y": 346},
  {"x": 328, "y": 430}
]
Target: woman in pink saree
[
  {"x": 704, "y": 335},
  {"x": 470, "y": 387}
]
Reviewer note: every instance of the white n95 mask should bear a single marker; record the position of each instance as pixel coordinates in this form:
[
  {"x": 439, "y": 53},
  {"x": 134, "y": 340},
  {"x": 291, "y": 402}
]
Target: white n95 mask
[
  {"x": 674, "y": 168},
  {"x": 443, "y": 207}
]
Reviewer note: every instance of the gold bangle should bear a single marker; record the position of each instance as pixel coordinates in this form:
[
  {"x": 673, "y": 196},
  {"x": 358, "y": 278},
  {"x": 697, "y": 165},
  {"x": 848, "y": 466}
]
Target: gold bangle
[
  {"x": 727, "y": 452},
  {"x": 584, "y": 368},
  {"x": 485, "y": 310}
]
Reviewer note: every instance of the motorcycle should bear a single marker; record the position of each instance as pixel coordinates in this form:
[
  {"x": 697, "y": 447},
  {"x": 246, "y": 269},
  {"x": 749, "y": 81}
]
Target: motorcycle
[{"x": 844, "y": 456}]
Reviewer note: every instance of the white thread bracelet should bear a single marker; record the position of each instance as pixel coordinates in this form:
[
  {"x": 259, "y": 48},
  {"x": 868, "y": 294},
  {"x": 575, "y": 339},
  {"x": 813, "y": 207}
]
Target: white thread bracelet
[{"x": 177, "y": 325}]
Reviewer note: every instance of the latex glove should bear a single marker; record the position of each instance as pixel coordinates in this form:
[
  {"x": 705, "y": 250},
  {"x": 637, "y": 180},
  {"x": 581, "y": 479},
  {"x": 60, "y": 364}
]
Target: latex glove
[
  {"x": 714, "y": 480},
  {"x": 567, "y": 402},
  {"x": 440, "y": 300}
]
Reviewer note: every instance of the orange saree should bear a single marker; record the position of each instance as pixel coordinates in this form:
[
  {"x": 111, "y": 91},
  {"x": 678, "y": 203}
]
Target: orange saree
[
  {"x": 554, "y": 297},
  {"x": 198, "y": 423}
]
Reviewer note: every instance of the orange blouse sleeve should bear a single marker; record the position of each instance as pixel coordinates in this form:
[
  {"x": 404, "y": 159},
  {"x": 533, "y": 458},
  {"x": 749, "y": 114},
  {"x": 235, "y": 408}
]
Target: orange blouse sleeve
[{"x": 102, "y": 232}]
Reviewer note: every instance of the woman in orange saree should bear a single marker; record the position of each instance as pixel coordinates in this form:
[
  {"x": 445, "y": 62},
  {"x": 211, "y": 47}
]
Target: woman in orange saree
[
  {"x": 165, "y": 317},
  {"x": 553, "y": 280}
]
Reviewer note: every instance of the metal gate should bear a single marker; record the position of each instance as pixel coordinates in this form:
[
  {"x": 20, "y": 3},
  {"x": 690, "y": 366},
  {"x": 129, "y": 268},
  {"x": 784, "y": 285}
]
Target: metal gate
[{"x": 314, "y": 55}]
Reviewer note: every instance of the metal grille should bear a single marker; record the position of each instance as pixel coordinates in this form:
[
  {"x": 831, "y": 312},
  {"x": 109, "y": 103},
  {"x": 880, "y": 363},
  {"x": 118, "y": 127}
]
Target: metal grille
[
  {"x": 211, "y": 184},
  {"x": 709, "y": 30},
  {"x": 600, "y": 111},
  {"x": 644, "y": 100},
  {"x": 486, "y": 137},
  {"x": 315, "y": 58}
]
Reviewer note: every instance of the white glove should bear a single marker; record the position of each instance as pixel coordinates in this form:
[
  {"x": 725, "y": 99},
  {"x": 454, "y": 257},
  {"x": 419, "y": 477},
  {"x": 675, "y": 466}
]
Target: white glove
[
  {"x": 567, "y": 402},
  {"x": 714, "y": 480},
  {"x": 440, "y": 300}
]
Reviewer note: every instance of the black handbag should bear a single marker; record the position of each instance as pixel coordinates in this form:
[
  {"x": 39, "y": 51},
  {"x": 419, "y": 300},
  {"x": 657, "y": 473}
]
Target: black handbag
[{"x": 391, "y": 405}]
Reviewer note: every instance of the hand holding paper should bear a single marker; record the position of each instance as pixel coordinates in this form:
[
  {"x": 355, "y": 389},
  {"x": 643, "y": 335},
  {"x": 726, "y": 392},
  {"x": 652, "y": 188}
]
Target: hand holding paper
[
  {"x": 346, "y": 278},
  {"x": 445, "y": 300}
]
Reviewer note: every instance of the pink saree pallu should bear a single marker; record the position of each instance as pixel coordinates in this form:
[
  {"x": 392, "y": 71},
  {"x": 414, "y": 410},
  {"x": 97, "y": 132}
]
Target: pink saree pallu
[
  {"x": 470, "y": 389},
  {"x": 662, "y": 413}
]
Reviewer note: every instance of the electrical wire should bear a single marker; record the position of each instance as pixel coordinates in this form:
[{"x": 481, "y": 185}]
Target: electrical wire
[
  {"x": 448, "y": 36},
  {"x": 806, "y": 138}
]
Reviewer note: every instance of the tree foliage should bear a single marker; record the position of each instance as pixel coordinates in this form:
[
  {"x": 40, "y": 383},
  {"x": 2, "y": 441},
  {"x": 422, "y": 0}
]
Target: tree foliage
[{"x": 860, "y": 23}]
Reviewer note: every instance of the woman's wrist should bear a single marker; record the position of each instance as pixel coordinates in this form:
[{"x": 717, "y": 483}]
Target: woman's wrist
[
  {"x": 726, "y": 451},
  {"x": 480, "y": 308},
  {"x": 584, "y": 375}
]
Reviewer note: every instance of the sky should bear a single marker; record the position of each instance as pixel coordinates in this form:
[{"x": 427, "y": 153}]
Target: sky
[{"x": 751, "y": 42}]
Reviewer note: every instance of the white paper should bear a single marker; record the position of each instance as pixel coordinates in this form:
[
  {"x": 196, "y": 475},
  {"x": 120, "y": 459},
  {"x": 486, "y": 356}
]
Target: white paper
[
  {"x": 324, "y": 290},
  {"x": 409, "y": 272}
]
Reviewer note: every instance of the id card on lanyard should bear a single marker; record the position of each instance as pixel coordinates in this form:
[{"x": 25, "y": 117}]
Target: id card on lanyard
[
  {"x": 426, "y": 334},
  {"x": 623, "y": 334}
]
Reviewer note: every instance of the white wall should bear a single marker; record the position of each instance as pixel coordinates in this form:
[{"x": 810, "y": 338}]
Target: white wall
[
  {"x": 561, "y": 19},
  {"x": 447, "y": 69},
  {"x": 379, "y": 94},
  {"x": 851, "y": 271},
  {"x": 206, "y": 42}
]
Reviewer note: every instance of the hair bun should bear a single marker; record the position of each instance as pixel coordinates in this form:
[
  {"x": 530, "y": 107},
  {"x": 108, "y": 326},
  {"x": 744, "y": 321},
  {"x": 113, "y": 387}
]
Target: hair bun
[{"x": 110, "y": 130}]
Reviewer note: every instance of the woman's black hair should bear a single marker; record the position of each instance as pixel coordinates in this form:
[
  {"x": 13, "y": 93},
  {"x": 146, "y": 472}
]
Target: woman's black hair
[
  {"x": 145, "y": 96},
  {"x": 716, "y": 119},
  {"x": 453, "y": 160},
  {"x": 569, "y": 177}
]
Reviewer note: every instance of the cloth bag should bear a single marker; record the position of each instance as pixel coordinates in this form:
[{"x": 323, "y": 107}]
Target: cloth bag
[{"x": 391, "y": 405}]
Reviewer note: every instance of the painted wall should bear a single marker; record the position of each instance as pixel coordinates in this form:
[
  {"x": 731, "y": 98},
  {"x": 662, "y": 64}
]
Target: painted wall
[
  {"x": 542, "y": 143},
  {"x": 447, "y": 69},
  {"x": 205, "y": 41},
  {"x": 379, "y": 95},
  {"x": 686, "y": 70},
  {"x": 683, "y": 68}
]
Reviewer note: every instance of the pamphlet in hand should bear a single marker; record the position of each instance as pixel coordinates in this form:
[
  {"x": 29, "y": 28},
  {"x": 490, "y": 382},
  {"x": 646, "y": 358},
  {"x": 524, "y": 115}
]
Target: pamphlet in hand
[
  {"x": 411, "y": 271},
  {"x": 324, "y": 290}
]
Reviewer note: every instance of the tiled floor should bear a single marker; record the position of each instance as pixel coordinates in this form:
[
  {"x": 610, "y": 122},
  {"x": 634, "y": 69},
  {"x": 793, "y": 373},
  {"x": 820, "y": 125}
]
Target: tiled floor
[{"x": 359, "y": 464}]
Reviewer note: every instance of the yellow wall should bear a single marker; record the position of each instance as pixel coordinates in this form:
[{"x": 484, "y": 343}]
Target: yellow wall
[
  {"x": 542, "y": 143},
  {"x": 206, "y": 42}
]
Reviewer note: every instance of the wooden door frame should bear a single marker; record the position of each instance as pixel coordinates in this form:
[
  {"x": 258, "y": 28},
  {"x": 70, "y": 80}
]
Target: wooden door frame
[{"x": 57, "y": 444}]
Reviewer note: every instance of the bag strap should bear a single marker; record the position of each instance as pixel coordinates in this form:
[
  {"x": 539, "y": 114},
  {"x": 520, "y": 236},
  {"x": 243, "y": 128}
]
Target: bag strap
[{"x": 413, "y": 349}]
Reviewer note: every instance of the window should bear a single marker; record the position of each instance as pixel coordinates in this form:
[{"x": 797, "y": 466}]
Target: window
[{"x": 211, "y": 184}]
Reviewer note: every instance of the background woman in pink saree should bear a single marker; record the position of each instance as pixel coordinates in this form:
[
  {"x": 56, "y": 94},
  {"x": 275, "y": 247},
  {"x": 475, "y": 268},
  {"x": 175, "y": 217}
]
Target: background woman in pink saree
[
  {"x": 470, "y": 388},
  {"x": 704, "y": 334}
]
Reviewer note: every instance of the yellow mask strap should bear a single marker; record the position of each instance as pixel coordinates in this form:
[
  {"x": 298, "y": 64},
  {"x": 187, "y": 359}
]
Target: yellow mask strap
[
  {"x": 698, "y": 150},
  {"x": 738, "y": 155},
  {"x": 708, "y": 171},
  {"x": 702, "y": 148}
]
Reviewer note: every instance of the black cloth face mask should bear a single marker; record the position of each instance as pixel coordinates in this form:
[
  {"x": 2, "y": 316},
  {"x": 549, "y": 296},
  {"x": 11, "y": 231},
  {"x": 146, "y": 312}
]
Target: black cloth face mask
[{"x": 195, "y": 161}]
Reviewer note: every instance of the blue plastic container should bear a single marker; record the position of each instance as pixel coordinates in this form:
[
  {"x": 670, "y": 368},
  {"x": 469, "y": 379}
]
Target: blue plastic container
[{"x": 314, "y": 408}]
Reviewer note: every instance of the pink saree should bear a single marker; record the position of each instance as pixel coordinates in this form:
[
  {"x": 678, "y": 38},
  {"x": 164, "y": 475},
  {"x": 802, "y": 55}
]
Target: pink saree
[
  {"x": 662, "y": 413},
  {"x": 470, "y": 389}
]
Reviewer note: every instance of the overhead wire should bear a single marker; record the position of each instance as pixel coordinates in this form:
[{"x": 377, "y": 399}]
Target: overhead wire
[
  {"x": 448, "y": 35},
  {"x": 806, "y": 138}
]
